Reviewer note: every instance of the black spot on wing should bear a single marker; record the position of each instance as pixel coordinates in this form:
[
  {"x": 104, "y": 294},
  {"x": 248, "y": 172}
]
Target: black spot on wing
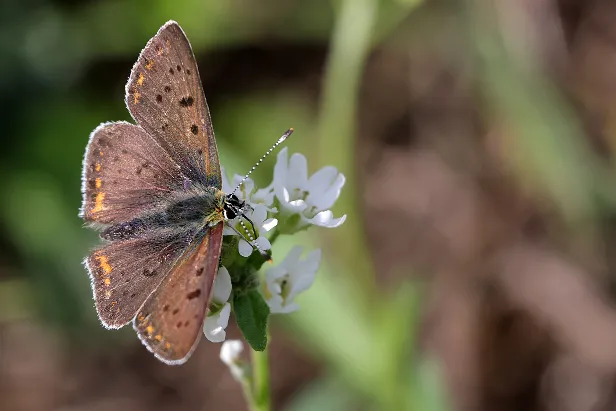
[
  {"x": 194, "y": 294},
  {"x": 187, "y": 101}
]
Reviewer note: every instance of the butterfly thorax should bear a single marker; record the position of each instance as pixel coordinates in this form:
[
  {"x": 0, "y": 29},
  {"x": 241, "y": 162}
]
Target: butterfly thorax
[{"x": 191, "y": 211}]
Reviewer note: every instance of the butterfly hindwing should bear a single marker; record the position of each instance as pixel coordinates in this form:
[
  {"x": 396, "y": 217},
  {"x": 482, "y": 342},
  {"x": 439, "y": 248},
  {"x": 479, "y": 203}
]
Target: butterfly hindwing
[
  {"x": 165, "y": 96},
  {"x": 170, "y": 322},
  {"x": 125, "y": 173},
  {"x": 125, "y": 273}
]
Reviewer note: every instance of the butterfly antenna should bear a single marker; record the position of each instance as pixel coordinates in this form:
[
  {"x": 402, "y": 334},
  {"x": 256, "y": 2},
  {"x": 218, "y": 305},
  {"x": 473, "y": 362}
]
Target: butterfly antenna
[{"x": 267, "y": 153}]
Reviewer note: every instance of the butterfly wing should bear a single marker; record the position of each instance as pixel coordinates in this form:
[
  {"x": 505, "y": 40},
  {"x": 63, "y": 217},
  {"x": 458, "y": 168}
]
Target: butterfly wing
[
  {"x": 124, "y": 273},
  {"x": 125, "y": 173},
  {"x": 170, "y": 322},
  {"x": 165, "y": 96}
]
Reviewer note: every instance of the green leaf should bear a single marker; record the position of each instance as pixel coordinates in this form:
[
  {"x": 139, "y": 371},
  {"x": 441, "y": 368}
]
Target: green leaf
[{"x": 251, "y": 312}]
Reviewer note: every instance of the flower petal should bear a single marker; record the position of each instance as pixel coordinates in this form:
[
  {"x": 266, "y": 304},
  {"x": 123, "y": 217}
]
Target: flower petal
[
  {"x": 322, "y": 179},
  {"x": 259, "y": 215},
  {"x": 263, "y": 243},
  {"x": 275, "y": 304},
  {"x": 214, "y": 326},
  {"x": 222, "y": 286},
  {"x": 289, "y": 175},
  {"x": 291, "y": 260},
  {"x": 230, "y": 354},
  {"x": 301, "y": 283},
  {"x": 294, "y": 206},
  {"x": 304, "y": 274},
  {"x": 230, "y": 351},
  {"x": 312, "y": 261},
  {"x": 274, "y": 273},
  {"x": 223, "y": 316},
  {"x": 298, "y": 172},
  {"x": 281, "y": 166},
  {"x": 263, "y": 196},
  {"x": 325, "y": 198},
  {"x": 244, "y": 248},
  {"x": 274, "y": 288},
  {"x": 326, "y": 219},
  {"x": 269, "y": 224},
  {"x": 287, "y": 309},
  {"x": 248, "y": 186},
  {"x": 212, "y": 331}
]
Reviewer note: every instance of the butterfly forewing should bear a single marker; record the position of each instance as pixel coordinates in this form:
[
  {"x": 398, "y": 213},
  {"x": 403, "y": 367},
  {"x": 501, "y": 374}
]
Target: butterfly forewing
[
  {"x": 125, "y": 173},
  {"x": 124, "y": 273},
  {"x": 165, "y": 96},
  {"x": 170, "y": 322}
]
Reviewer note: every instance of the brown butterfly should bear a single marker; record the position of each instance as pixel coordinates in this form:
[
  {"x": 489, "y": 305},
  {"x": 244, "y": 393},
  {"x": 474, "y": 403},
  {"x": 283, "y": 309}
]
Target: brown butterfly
[{"x": 154, "y": 191}]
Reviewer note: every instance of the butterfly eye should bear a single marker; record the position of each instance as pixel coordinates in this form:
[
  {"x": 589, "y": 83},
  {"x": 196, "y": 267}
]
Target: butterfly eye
[{"x": 234, "y": 201}]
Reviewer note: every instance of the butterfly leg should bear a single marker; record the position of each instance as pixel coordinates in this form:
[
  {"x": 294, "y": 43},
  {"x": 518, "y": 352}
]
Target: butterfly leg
[
  {"x": 254, "y": 232},
  {"x": 252, "y": 243}
]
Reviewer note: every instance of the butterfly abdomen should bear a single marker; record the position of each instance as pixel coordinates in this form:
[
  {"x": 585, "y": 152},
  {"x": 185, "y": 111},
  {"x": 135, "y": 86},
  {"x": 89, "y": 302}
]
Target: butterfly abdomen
[{"x": 196, "y": 211}]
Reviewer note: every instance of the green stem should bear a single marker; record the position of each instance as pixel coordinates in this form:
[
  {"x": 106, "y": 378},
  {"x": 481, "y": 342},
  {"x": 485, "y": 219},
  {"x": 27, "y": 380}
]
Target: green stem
[
  {"x": 350, "y": 45},
  {"x": 247, "y": 391},
  {"x": 261, "y": 380}
]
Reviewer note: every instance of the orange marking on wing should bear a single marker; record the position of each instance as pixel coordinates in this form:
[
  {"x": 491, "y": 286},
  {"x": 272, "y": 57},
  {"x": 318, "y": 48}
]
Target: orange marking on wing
[
  {"x": 140, "y": 79},
  {"x": 149, "y": 64},
  {"x": 107, "y": 282},
  {"x": 167, "y": 345},
  {"x": 149, "y": 329},
  {"x": 136, "y": 96},
  {"x": 103, "y": 263},
  {"x": 158, "y": 337},
  {"x": 100, "y": 153},
  {"x": 107, "y": 294},
  {"x": 98, "y": 183},
  {"x": 140, "y": 317},
  {"x": 97, "y": 167},
  {"x": 98, "y": 203}
]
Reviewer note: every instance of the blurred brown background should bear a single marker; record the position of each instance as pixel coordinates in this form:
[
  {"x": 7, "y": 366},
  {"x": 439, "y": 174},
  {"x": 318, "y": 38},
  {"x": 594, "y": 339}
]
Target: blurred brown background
[{"x": 476, "y": 267}]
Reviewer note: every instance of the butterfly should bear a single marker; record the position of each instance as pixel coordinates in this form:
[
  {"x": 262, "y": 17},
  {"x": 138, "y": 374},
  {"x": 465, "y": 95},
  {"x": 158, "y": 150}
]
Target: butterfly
[{"x": 154, "y": 191}]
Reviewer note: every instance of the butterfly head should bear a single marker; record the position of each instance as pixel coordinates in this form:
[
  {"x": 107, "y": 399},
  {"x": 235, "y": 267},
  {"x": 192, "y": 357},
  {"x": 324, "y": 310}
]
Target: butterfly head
[{"x": 234, "y": 207}]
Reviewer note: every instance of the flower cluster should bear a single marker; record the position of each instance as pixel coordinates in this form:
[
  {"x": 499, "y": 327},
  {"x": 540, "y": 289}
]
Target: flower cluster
[
  {"x": 291, "y": 203},
  {"x": 285, "y": 281}
]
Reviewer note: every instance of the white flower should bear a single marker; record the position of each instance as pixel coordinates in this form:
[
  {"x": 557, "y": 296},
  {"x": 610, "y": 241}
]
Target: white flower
[
  {"x": 262, "y": 224},
  {"x": 285, "y": 281},
  {"x": 219, "y": 309},
  {"x": 230, "y": 354},
  {"x": 247, "y": 191},
  {"x": 311, "y": 197}
]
